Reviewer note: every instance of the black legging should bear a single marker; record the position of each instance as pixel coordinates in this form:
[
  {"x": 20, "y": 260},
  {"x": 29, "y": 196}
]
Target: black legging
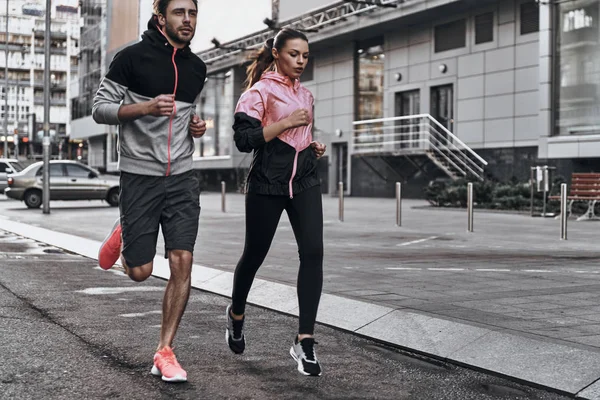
[{"x": 263, "y": 212}]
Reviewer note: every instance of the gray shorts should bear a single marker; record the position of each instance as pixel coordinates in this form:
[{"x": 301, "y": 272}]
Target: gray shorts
[{"x": 149, "y": 202}]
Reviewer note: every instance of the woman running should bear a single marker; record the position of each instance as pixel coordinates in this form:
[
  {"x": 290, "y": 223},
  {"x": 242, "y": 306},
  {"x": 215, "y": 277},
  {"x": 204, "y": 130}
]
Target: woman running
[{"x": 274, "y": 118}]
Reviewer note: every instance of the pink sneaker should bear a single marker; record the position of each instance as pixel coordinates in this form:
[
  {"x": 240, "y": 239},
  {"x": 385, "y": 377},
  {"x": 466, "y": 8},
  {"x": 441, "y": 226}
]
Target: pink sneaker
[
  {"x": 166, "y": 365},
  {"x": 110, "y": 250}
]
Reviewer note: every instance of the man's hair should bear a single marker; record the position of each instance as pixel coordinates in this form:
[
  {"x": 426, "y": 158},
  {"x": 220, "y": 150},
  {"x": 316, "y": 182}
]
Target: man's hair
[{"x": 160, "y": 6}]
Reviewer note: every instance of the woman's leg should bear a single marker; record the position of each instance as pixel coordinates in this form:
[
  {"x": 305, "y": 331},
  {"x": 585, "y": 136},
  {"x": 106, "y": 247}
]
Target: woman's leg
[
  {"x": 262, "y": 216},
  {"x": 305, "y": 211}
]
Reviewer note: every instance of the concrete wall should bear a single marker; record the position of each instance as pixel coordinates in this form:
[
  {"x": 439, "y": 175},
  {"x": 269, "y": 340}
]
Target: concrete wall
[
  {"x": 293, "y": 8},
  {"x": 496, "y": 84}
]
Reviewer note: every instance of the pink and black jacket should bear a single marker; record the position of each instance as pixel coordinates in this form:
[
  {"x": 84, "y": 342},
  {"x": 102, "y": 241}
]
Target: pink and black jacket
[
  {"x": 152, "y": 145},
  {"x": 286, "y": 165}
]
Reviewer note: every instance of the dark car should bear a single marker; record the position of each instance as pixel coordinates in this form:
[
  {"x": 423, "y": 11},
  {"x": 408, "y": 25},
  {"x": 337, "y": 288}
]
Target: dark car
[{"x": 69, "y": 180}]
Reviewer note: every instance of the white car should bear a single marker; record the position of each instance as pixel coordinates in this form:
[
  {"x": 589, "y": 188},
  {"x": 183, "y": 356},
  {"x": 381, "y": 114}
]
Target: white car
[
  {"x": 69, "y": 180},
  {"x": 8, "y": 166}
]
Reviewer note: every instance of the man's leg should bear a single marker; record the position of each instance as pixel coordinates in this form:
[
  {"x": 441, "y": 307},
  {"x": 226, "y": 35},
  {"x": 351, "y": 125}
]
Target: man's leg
[
  {"x": 134, "y": 235},
  {"x": 179, "y": 223},
  {"x": 176, "y": 296},
  {"x": 141, "y": 203},
  {"x": 138, "y": 274}
]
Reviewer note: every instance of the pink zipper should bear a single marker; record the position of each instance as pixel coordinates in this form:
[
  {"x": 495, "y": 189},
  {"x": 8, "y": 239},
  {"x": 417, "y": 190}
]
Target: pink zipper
[
  {"x": 293, "y": 174},
  {"x": 173, "y": 114}
]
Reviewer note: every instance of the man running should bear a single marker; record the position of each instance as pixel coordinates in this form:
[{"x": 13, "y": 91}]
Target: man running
[{"x": 150, "y": 91}]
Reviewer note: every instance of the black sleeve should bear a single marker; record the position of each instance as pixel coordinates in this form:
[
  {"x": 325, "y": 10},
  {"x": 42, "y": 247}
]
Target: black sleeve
[
  {"x": 107, "y": 100},
  {"x": 248, "y": 132}
]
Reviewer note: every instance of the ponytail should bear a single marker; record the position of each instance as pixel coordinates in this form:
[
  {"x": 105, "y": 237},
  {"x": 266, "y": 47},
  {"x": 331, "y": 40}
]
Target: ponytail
[{"x": 263, "y": 60}]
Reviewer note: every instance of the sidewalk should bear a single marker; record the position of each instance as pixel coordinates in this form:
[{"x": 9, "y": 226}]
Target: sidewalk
[
  {"x": 510, "y": 298},
  {"x": 72, "y": 331}
]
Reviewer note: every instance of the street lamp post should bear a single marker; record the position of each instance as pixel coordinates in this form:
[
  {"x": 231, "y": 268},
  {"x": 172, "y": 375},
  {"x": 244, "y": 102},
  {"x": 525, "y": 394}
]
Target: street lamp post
[
  {"x": 46, "y": 140},
  {"x": 6, "y": 88}
]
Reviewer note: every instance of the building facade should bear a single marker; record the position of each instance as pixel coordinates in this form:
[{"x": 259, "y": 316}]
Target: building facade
[
  {"x": 122, "y": 24},
  {"x": 516, "y": 81},
  {"x": 511, "y": 82},
  {"x": 26, "y": 28}
]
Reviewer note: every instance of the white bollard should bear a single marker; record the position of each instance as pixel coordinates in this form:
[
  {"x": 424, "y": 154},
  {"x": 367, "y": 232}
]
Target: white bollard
[{"x": 223, "y": 196}]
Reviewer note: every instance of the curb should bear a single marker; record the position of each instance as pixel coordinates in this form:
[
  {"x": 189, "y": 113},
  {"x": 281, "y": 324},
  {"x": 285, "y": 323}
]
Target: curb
[{"x": 558, "y": 367}]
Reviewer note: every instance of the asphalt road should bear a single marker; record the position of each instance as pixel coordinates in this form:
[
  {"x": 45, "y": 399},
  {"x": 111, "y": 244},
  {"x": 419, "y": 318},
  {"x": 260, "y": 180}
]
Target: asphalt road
[
  {"x": 513, "y": 273},
  {"x": 72, "y": 331}
]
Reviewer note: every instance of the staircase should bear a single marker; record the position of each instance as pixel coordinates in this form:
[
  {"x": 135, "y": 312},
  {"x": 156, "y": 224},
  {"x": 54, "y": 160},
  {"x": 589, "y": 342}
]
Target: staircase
[{"x": 416, "y": 135}]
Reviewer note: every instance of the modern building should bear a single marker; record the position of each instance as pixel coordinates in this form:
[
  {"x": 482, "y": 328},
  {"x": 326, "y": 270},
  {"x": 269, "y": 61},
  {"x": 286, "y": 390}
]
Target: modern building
[
  {"x": 406, "y": 90},
  {"x": 121, "y": 24},
  {"x": 91, "y": 68},
  {"x": 450, "y": 83},
  {"x": 25, "y": 91}
]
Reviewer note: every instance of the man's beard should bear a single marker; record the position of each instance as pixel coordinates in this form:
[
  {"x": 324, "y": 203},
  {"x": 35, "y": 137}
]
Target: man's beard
[{"x": 173, "y": 35}]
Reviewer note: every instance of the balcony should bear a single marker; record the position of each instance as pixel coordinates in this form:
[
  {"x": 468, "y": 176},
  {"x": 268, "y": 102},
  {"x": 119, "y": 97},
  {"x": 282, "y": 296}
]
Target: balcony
[
  {"x": 583, "y": 92},
  {"x": 15, "y": 82},
  {"x": 39, "y": 84},
  {"x": 53, "y": 50},
  {"x": 39, "y": 101},
  {"x": 53, "y": 35}
]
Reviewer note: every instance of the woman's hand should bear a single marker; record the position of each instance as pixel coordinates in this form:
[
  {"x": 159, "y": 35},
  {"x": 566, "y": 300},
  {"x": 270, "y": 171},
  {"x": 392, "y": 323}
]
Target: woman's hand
[
  {"x": 298, "y": 118},
  {"x": 318, "y": 148}
]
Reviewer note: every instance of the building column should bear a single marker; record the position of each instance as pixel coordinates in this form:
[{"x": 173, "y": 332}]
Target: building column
[{"x": 547, "y": 45}]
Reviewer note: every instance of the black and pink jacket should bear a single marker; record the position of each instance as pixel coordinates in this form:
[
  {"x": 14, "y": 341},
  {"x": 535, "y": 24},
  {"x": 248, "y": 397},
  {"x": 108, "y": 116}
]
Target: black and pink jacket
[
  {"x": 152, "y": 145},
  {"x": 286, "y": 165}
]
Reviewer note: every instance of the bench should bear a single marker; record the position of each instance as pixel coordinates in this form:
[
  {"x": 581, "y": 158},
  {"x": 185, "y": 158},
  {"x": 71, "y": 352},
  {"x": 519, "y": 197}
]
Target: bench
[{"x": 585, "y": 186}]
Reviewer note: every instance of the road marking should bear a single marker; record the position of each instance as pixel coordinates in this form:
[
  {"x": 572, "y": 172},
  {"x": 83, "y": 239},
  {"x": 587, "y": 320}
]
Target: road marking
[
  {"x": 404, "y": 269},
  {"x": 536, "y": 270},
  {"x": 417, "y": 241},
  {"x": 492, "y": 270},
  {"x": 446, "y": 269},
  {"x": 142, "y": 314},
  {"x": 119, "y": 290}
]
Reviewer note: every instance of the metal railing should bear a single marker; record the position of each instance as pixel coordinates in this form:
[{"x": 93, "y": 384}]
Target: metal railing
[
  {"x": 332, "y": 14},
  {"x": 418, "y": 134}
]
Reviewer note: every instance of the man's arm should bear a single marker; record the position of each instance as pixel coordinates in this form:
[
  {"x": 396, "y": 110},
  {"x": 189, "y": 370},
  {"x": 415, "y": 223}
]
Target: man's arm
[
  {"x": 159, "y": 106},
  {"x": 109, "y": 96}
]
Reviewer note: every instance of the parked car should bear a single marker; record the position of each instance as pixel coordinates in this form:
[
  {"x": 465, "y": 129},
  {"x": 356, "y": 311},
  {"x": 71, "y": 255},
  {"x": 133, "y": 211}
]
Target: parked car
[
  {"x": 69, "y": 180},
  {"x": 8, "y": 166}
]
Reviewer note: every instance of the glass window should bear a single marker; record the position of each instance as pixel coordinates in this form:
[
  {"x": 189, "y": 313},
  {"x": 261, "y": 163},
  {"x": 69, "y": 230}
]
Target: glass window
[
  {"x": 77, "y": 171},
  {"x": 578, "y": 69},
  {"x": 484, "y": 28},
  {"x": 216, "y": 107},
  {"x": 3, "y": 167},
  {"x": 17, "y": 167},
  {"x": 371, "y": 64},
  {"x": 370, "y": 58},
  {"x": 530, "y": 17},
  {"x": 55, "y": 170},
  {"x": 452, "y": 35}
]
